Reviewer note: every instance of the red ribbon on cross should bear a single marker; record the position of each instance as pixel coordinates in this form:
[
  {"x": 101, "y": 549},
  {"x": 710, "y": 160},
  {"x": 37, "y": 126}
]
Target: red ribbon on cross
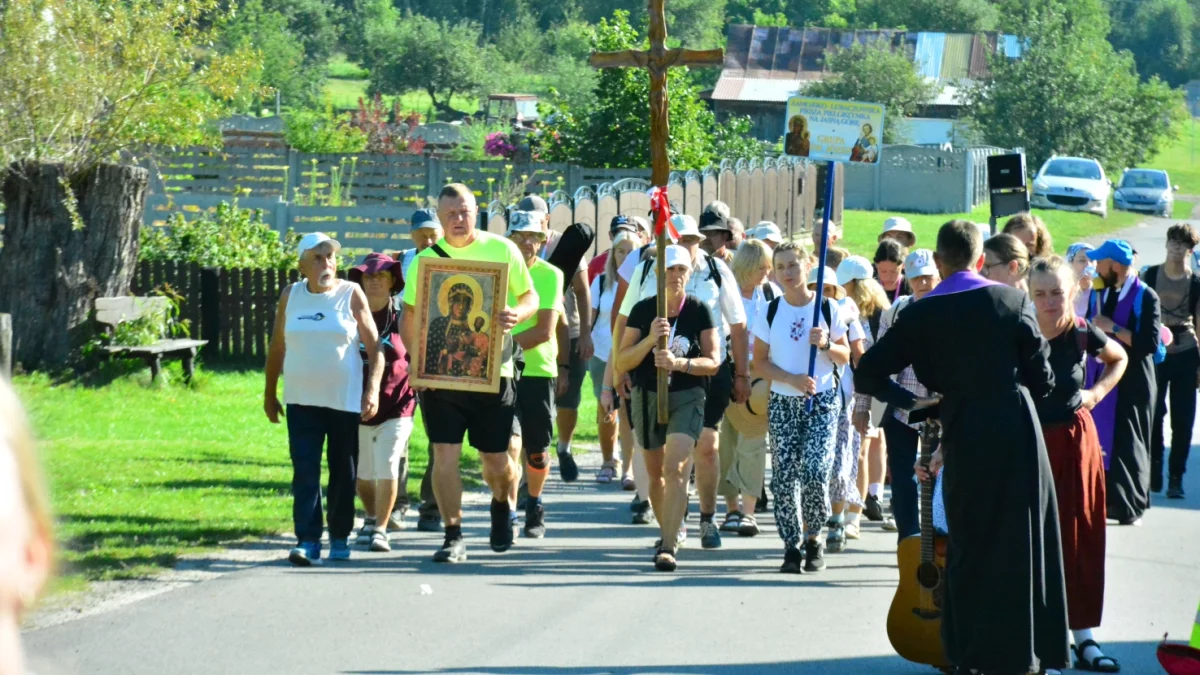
[{"x": 660, "y": 207}]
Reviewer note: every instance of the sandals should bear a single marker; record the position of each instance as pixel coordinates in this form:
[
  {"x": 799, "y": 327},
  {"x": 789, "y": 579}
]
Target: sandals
[
  {"x": 627, "y": 483},
  {"x": 749, "y": 526},
  {"x": 1101, "y": 664},
  {"x": 733, "y": 521},
  {"x": 607, "y": 473},
  {"x": 664, "y": 560}
]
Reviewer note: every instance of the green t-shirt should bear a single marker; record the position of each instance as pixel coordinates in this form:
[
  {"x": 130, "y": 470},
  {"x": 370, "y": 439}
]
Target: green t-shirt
[
  {"x": 488, "y": 248},
  {"x": 542, "y": 360}
]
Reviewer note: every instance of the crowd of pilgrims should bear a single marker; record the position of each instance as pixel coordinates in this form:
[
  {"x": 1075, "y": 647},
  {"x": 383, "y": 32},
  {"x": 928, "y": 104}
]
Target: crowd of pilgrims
[{"x": 744, "y": 318}]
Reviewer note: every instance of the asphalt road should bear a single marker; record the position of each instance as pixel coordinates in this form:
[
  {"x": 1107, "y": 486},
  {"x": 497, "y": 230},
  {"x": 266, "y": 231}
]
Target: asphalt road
[{"x": 585, "y": 600}]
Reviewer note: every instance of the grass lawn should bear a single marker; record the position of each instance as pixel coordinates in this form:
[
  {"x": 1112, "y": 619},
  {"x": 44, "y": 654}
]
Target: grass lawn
[
  {"x": 141, "y": 474},
  {"x": 861, "y": 228},
  {"x": 344, "y": 93},
  {"x": 1181, "y": 160}
]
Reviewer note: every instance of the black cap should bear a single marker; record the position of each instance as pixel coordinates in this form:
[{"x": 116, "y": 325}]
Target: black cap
[
  {"x": 711, "y": 221},
  {"x": 621, "y": 223},
  {"x": 533, "y": 203}
]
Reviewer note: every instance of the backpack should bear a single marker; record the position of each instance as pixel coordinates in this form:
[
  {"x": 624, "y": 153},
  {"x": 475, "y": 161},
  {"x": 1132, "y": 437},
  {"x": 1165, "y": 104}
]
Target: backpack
[
  {"x": 826, "y": 313},
  {"x": 1160, "y": 349},
  {"x": 713, "y": 273},
  {"x": 768, "y": 291}
]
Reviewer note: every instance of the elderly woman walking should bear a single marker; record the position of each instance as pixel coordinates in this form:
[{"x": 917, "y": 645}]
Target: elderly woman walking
[
  {"x": 383, "y": 439},
  {"x": 319, "y": 323}
]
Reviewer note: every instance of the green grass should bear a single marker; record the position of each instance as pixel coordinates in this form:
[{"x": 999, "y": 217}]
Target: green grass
[
  {"x": 861, "y": 228},
  {"x": 344, "y": 94},
  {"x": 141, "y": 474},
  {"x": 1182, "y": 210},
  {"x": 1181, "y": 160},
  {"x": 342, "y": 69}
]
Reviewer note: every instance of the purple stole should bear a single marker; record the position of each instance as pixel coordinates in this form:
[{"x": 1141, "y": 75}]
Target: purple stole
[
  {"x": 961, "y": 282},
  {"x": 1105, "y": 412}
]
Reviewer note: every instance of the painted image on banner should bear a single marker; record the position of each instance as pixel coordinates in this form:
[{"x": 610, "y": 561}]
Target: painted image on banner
[
  {"x": 828, "y": 130},
  {"x": 458, "y": 347}
]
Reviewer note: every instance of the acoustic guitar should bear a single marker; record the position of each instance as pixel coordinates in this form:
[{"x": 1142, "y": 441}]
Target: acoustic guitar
[{"x": 914, "y": 623}]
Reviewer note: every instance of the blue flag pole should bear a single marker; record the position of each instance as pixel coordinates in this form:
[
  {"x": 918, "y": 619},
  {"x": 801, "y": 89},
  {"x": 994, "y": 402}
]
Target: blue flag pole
[{"x": 821, "y": 255}]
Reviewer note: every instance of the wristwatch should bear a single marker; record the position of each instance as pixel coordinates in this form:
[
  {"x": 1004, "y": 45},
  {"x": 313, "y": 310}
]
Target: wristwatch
[{"x": 828, "y": 343}]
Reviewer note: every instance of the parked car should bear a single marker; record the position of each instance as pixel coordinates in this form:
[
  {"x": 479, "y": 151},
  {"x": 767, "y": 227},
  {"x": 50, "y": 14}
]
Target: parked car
[
  {"x": 1071, "y": 184},
  {"x": 1145, "y": 190}
]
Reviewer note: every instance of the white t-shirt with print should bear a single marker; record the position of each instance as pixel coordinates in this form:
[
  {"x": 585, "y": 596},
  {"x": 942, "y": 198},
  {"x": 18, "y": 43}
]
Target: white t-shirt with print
[{"x": 788, "y": 337}]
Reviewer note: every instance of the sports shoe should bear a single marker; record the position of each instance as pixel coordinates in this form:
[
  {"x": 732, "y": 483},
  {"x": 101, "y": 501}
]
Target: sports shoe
[
  {"x": 306, "y": 554},
  {"x": 1175, "y": 488},
  {"x": 733, "y": 521},
  {"x": 710, "y": 535},
  {"x": 836, "y": 541},
  {"x": 364, "y": 532},
  {"x": 889, "y": 524},
  {"x": 535, "y": 520},
  {"x": 793, "y": 561},
  {"x": 396, "y": 522},
  {"x": 339, "y": 549},
  {"x": 873, "y": 509},
  {"x": 642, "y": 513},
  {"x": 813, "y": 560},
  {"x": 380, "y": 543},
  {"x": 567, "y": 469},
  {"x": 501, "y": 536},
  {"x": 452, "y": 551},
  {"x": 429, "y": 524},
  {"x": 748, "y": 526}
]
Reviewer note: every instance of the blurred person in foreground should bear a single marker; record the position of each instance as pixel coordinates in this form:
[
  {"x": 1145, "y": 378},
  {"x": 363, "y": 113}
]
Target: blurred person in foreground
[{"x": 26, "y": 529}]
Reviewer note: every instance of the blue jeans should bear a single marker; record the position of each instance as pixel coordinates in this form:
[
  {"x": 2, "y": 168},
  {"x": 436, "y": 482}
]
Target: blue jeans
[
  {"x": 902, "y": 442},
  {"x": 308, "y": 429}
]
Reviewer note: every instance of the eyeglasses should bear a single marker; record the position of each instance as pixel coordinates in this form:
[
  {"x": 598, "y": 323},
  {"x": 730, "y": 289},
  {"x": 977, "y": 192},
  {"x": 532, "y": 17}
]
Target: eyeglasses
[{"x": 986, "y": 271}]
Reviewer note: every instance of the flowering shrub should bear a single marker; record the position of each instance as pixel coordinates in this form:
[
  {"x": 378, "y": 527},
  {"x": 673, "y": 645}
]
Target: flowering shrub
[
  {"x": 387, "y": 133},
  {"x": 499, "y": 145}
]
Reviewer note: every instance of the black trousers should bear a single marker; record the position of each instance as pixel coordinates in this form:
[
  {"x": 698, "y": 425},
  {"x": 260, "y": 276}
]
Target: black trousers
[
  {"x": 313, "y": 431},
  {"x": 902, "y": 444},
  {"x": 1176, "y": 376}
]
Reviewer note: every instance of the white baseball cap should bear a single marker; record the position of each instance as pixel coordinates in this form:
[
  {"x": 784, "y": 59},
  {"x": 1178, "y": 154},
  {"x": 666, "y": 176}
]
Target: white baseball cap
[
  {"x": 677, "y": 255},
  {"x": 829, "y": 280},
  {"x": 686, "y": 226},
  {"x": 525, "y": 221},
  {"x": 854, "y": 268},
  {"x": 315, "y": 239},
  {"x": 919, "y": 263},
  {"x": 767, "y": 231}
]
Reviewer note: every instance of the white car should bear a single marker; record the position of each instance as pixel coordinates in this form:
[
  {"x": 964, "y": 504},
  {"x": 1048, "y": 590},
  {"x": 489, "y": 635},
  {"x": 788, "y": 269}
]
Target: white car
[{"x": 1071, "y": 184}]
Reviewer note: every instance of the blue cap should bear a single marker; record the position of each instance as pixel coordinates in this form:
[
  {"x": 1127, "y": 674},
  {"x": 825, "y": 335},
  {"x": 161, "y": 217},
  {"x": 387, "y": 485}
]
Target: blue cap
[
  {"x": 425, "y": 218},
  {"x": 1116, "y": 250}
]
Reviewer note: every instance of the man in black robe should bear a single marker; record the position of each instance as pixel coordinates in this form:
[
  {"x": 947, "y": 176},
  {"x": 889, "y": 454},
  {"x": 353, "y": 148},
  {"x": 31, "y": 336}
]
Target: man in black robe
[
  {"x": 1128, "y": 310},
  {"x": 977, "y": 343}
]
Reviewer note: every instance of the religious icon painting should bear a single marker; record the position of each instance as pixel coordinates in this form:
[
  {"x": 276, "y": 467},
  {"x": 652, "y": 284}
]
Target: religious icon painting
[{"x": 459, "y": 346}]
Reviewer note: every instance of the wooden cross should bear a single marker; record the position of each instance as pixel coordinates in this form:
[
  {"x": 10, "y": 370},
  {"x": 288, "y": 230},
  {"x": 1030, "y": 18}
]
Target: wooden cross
[{"x": 657, "y": 60}]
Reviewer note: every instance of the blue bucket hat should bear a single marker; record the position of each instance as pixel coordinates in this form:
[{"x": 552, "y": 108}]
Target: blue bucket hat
[{"x": 1117, "y": 250}]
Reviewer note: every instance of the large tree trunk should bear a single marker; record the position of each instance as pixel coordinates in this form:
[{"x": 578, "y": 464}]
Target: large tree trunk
[{"x": 51, "y": 271}]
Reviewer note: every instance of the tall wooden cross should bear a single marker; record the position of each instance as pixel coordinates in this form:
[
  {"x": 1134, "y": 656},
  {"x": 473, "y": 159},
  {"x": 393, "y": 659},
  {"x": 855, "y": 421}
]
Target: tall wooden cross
[{"x": 657, "y": 60}]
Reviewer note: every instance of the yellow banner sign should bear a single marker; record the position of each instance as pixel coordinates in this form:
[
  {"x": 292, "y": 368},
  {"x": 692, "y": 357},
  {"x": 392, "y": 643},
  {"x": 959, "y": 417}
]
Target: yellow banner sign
[{"x": 838, "y": 131}]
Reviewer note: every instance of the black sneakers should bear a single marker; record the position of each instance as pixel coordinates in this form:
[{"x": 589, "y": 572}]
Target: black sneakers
[
  {"x": 793, "y": 559},
  {"x": 568, "y": 471},
  {"x": 813, "y": 560},
  {"x": 535, "y": 520},
  {"x": 1175, "y": 487},
  {"x": 873, "y": 509},
  {"x": 501, "y": 537},
  {"x": 452, "y": 551}
]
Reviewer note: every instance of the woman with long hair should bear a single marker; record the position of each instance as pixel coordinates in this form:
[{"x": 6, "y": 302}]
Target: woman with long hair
[
  {"x": 604, "y": 292},
  {"x": 743, "y": 452},
  {"x": 867, "y": 413},
  {"x": 1032, "y": 232},
  {"x": 26, "y": 528},
  {"x": 1006, "y": 260},
  {"x": 1073, "y": 446}
]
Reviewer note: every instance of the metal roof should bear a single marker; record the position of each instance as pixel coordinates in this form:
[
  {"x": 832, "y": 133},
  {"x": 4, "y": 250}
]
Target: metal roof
[{"x": 768, "y": 64}]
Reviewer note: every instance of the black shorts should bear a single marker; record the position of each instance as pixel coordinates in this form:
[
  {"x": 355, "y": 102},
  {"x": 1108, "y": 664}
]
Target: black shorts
[
  {"x": 720, "y": 393},
  {"x": 535, "y": 411},
  {"x": 572, "y": 397},
  {"x": 485, "y": 419}
]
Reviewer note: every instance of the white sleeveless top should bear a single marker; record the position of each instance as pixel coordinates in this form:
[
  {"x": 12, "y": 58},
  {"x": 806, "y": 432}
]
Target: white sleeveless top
[{"x": 322, "y": 366}]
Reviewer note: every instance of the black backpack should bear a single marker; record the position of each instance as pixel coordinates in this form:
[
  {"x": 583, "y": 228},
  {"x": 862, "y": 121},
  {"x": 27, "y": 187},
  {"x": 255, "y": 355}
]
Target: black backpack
[{"x": 713, "y": 273}]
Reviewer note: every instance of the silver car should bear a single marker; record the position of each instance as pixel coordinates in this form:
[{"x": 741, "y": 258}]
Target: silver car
[
  {"x": 1147, "y": 191},
  {"x": 1071, "y": 184}
]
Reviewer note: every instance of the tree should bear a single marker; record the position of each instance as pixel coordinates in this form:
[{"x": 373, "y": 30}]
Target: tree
[
  {"x": 416, "y": 53},
  {"x": 876, "y": 74},
  {"x": 283, "y": 69},
  {"x": 615, "y": 131},
  {"x": 1072, "y": 93},
  {"x": 951, "y": 16},
  {"x": 1161, "y": 36},
  {"x": 86, "y": 85}
]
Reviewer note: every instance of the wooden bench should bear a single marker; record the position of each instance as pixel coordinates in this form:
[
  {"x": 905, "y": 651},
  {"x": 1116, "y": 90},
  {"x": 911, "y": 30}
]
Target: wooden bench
[{"x": 112, "y": 312}]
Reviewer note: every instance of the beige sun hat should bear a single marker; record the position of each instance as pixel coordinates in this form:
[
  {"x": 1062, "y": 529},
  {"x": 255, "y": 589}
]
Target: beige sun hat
[
  {"x": 830, "y": 281},
  {"x": 750, "y": 418}
]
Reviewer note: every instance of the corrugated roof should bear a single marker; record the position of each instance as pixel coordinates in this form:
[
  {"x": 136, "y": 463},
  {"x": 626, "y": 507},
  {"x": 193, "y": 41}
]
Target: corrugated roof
[
  {"x": 956, "y": 59},
  {"x": 928, "y": 57}
]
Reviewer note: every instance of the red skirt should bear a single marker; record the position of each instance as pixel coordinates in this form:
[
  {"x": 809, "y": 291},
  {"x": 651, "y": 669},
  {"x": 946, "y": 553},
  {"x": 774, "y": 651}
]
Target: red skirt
[{"x": 1078, "y": 467}]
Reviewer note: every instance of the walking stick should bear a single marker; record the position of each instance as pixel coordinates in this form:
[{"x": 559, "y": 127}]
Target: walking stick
[{"x": 823, "y": 252}]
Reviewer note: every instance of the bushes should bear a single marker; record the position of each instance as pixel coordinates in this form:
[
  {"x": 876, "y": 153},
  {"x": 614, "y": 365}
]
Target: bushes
[
  {"x": 230, "y": 237},
  {"x": 316, "y": 132}
]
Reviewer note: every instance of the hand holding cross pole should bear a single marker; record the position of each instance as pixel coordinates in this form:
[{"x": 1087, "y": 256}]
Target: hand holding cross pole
[{"x": 657, "y": 60}]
